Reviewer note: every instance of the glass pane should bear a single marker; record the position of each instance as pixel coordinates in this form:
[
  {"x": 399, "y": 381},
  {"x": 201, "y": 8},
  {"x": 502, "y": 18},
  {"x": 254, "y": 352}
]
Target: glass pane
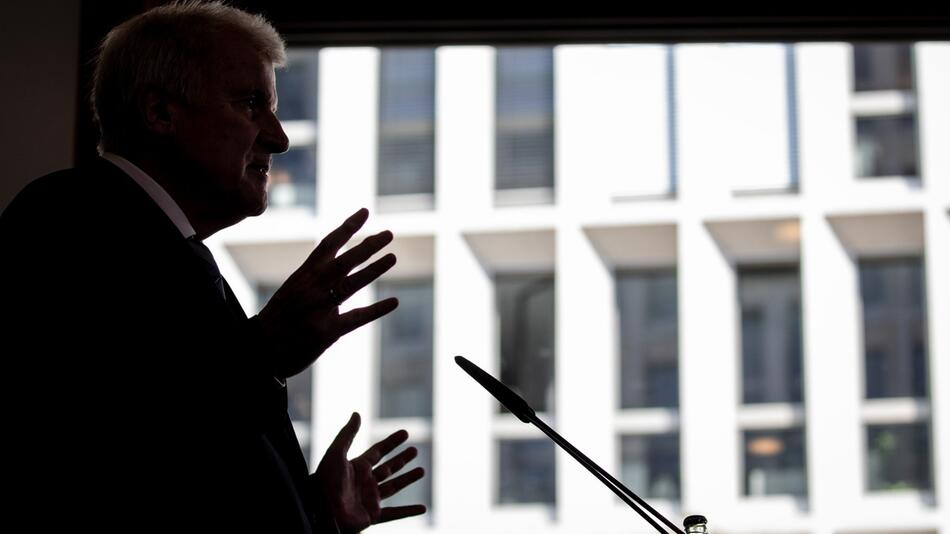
[
  {"x": 405, "y": 351},
  {"x": 406, "y": 121},
  {"x": 887, "y": 146},
  {"x": 775, "y": 462},
  {"x": 649, "y": 371},
  {"x": 526, "y": 471},
  {"x": 771, "y": 335},
  {"x": 419, "y": 492},
  {"x": 293, "y": 178},
  {"x": 895, "y": 355},
  {"x": 650, "y": 465},
  {"x": 524, "y": 113},
  {"x": 526, "y": 327},
  {"x": 297, "y": 87},
  {"x": 898, "y": 457},
  {"x": 883, "y": 67}
]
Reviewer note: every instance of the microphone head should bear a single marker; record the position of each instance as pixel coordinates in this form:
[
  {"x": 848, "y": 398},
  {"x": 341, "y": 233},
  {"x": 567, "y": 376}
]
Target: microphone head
[{"x": 509, "y": 399}]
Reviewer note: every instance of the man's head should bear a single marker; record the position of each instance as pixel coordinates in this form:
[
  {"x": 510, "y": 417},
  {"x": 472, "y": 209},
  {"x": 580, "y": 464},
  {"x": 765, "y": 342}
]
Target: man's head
[{"x": 192, "y": 85}]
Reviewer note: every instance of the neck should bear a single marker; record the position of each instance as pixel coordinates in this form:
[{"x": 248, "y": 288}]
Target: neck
[{"x": 194, "y": 201}]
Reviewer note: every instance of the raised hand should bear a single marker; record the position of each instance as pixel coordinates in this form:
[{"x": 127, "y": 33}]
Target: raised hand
[
  {"x": 302, "y": 319},
  {"x": 355, "y": 487}
]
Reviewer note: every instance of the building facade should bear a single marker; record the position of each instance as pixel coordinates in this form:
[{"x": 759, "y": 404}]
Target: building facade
[{"x": 720, "y": 270}]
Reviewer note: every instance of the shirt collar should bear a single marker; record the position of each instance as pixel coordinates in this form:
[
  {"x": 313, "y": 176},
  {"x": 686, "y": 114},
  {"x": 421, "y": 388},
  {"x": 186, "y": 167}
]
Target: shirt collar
[{"x": 155, "y": 191}]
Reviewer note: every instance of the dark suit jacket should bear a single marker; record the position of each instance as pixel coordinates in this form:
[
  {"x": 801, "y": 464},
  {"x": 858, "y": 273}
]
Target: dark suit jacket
[{"x": 136, "y": 399}]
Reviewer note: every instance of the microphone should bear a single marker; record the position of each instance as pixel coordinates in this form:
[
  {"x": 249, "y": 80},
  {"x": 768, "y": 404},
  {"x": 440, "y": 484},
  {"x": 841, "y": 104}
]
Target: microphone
[
  {"x": 518, "y": 406},
  {"x": 509, "y": 399}
]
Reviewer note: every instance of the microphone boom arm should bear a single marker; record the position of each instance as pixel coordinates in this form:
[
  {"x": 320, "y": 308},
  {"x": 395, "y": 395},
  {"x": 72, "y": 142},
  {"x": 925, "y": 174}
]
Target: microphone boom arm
[{"x": 520, "y": 408}]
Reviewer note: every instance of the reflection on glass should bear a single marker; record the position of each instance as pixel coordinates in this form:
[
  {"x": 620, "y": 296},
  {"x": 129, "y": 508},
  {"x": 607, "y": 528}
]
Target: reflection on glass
[
  {"x": 526, "y": 471},
  {"x": 406, "y": 121},
  {"x": 526, "y": 327},
  {"x": 895, "y": 355},
  {"x": 771, "y": 335},
  {"x": 774, "y": 462},
  {"x": 293, "y": 178},
  {"x": 887, "y": 146},
  {"x": 405, "y": 350},
  {"x": 297, "y": 87},
  {"x": 649, "y": 372},
  {"x": 883, "y": 67},
  {"x": 650, "y": 465},
  {"x": 898, "y": 457},
  {"x": 524, "y": 118},
  {"x": 419, "y": 492}
]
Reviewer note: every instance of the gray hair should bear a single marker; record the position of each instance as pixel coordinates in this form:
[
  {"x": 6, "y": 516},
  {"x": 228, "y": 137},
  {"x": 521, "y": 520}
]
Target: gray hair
[{"x": 168, "y": 48}]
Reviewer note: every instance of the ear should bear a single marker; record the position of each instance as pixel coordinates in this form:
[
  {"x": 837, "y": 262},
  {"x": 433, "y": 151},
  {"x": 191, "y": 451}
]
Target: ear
[{"x": 157, "y": 112}]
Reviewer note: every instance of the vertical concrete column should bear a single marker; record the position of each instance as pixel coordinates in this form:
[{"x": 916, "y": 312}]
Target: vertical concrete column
[
  {"x": 349, "y": 88},
  {"x": 464, "y": 314},
  {"x": 933, "y": 86},
  {"x": 707, "y": 302},
  {"x": 830, "y": 296},
  {"x": 586, "y": 334},
  {"x": 347, "y": 173},
  {"x": 465, "y": 134}
]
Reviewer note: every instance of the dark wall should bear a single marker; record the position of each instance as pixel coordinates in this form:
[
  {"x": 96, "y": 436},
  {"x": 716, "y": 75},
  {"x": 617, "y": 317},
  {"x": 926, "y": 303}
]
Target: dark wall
[{"x": 39, "y": 43}]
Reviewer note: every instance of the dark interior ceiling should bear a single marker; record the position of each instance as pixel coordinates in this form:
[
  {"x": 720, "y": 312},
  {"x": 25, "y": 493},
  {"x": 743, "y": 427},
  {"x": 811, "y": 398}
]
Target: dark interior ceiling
[{"x": 308, "y": 24}]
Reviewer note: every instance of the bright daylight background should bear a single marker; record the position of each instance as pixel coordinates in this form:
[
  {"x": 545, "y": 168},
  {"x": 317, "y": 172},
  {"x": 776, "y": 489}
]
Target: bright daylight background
[{"x": 721, "y": 270}]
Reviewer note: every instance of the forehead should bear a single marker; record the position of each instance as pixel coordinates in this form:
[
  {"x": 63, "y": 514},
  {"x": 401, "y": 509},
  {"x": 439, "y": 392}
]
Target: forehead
[{"x": 236, "y": 65}]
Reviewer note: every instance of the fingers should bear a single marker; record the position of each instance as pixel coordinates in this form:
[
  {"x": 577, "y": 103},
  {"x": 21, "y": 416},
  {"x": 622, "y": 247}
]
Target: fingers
[
  {"x": 394, "y": 486},
  {"x": 335, "y": 240},
  {"x": 343, "y": 440},
  {"x": 384, "y": 447},
  {"x": 398, "y": 512},
  {"x": 351, "y": 284},
  {"x": 357, "y": 317},
  {"x": 345, "y": 262},
  {"x": 394, "y": 464}
]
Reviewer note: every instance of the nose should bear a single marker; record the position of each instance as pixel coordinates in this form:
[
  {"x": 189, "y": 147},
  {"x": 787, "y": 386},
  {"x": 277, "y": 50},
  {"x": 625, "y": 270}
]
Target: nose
[{"x": 272, "y": 136}]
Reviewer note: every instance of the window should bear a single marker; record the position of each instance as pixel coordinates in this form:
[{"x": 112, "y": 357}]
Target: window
[
  {"x": 650, "y": 465},
  {"x": 895, "y": 372},
  {"x": 887, "y": 145},
  {"x": 883, "y": 67},
  {"x": 771, "y": 335},
  {"x": 405, "y": 350},
  {"x": 774, "y": 462},
  {"x": 293, "y": 176},
  {"x": 649, "y": 372},
  {"x": 898, "y": 457},
  {"x": 406, "y": 121},
  {"x": 895, "y": 355},
  {"x": 526, "y": 471},
  {"x": 884, "y": 104},
  {"x": 524, "y": 118},
  {"x": 526, "y": 327}
]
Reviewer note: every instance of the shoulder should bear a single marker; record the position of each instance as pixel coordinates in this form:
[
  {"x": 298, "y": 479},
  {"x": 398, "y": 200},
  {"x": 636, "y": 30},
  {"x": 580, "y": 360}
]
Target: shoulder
[
  {"x": 80, "y": 189},
  {"x": 98, "y": 197}
]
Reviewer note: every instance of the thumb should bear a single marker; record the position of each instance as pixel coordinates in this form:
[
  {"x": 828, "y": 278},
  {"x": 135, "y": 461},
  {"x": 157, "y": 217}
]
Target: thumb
[{"x": 343, "y": 440}]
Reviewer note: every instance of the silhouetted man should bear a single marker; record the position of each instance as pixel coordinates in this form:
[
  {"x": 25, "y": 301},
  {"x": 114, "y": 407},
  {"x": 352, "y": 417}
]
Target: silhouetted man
[{"x": 139, "y": 395}]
